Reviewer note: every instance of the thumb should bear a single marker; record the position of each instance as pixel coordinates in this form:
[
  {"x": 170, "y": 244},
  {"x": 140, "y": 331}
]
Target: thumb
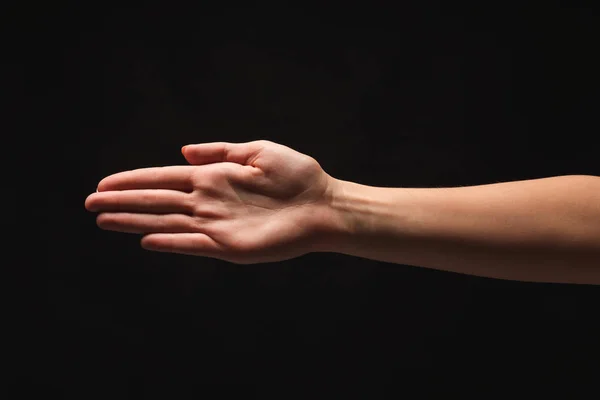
[{"x": 215, "y": 152}]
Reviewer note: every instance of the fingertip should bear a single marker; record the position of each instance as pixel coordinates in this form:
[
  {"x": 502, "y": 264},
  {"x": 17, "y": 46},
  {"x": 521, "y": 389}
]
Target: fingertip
[
  {"x": 101, "y": 185},
  {"x": 148, "y": 242},
  {"x": 88, "y": 204}
]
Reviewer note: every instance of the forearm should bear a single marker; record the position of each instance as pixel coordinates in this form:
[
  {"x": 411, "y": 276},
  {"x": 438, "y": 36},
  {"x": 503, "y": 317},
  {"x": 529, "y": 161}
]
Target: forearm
[{"x": 542, "y": 230}]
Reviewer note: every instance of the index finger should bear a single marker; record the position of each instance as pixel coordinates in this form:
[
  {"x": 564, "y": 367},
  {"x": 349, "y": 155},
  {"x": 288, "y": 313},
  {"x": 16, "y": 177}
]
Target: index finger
[{"x": 177, "y": 177}]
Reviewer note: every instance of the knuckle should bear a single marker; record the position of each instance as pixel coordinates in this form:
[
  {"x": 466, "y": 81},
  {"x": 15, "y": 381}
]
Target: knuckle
[
  {"x": 190, "y": 178},
  {"x": 190, "y": 202},
  {"x": 199, "y": 224},
  {"x": 226, "y": 151},
  {"x": 165, "y": 224},
  {"x": 147, "y": 199}
]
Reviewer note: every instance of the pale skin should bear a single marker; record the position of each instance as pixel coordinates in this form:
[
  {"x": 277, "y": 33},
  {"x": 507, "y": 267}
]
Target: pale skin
[{"x": 262, "y": 202}]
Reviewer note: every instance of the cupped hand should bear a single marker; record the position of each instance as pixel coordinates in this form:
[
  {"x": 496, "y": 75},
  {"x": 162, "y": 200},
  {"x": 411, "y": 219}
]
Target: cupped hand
[{"x": 240, "y": 202}]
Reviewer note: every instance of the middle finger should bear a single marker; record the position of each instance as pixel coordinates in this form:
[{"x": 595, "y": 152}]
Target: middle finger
[{"x": 156, "y": 201}]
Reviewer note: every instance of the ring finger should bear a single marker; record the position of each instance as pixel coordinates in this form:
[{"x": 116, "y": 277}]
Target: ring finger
[{"x": 147, "y": 223}]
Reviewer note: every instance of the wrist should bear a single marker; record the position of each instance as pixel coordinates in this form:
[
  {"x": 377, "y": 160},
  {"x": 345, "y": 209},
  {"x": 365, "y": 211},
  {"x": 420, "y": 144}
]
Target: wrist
[
  {"x": 330, "y": 226},
  {"x": 346, "y": 214},
  {"x": 360, "y": 219}
]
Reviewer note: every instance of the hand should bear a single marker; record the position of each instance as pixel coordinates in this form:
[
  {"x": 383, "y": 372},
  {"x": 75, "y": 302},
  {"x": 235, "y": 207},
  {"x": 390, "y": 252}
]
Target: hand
[{"x": 244, "y": 203}]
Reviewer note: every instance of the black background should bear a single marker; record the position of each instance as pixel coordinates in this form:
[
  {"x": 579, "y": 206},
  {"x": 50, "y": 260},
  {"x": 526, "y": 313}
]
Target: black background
[{"x": 416, "y": 95}]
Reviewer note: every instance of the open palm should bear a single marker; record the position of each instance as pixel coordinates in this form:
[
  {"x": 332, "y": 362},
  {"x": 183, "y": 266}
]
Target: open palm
[{"x": 241, "y": 202}]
